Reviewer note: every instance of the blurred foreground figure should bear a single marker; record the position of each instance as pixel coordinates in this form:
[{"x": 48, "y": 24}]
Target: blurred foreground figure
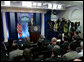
[
  {"x": 16, "y": 52},
  {"x": 72, "y": 54},
  {"x": 27, "y": 56},
  {"x": 55, "y": 54}
]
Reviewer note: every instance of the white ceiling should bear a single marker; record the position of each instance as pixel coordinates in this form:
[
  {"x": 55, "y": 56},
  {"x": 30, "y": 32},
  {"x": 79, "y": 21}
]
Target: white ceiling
[
  {"x": 78, "y": 1},
  {"x": 68, "y": 3}
]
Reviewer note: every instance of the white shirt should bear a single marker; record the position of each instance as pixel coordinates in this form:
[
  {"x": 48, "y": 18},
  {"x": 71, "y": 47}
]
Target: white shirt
[{"x": 80, "y": 54}]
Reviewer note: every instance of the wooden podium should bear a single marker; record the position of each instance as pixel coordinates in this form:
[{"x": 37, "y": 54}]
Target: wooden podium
[
  {"x": 35, "y": 33},
  {"x": 35, "y": 36}
]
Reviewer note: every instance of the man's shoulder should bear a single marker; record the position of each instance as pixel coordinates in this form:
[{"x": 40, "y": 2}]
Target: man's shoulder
[
  {"x": 16, "y": 51},
  {"x": 70, "y": 53}
]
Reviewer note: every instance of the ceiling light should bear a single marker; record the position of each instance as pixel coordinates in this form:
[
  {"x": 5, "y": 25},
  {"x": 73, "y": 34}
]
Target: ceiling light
[
  {"x": 54, "y": 6},
  {"x": 59, "y": 6},
  {"x": 34, "y": 4},
  {"x": 7, "y": 3},
  {"x": 49, "y": 6},
  {"x": 39, "y": 4},
  {"x": 27, "y": 4}
]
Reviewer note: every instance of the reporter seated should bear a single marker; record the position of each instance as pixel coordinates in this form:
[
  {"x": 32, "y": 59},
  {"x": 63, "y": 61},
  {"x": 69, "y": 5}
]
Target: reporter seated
[
  {"x": 27, "y": 55},
  {"x": 55, "y": 54},
  {"x": 53, "y": 43},
  {"x": 37, "y": 50},
  {"x": 16, "y": 52},
  {"x": 80, "y": 54},
  {"x": 72, "y": 54}
]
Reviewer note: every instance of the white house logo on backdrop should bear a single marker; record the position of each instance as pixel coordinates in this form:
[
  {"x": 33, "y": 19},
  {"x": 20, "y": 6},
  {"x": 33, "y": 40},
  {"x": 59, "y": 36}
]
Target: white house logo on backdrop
[{"x": 25, "y": 18}]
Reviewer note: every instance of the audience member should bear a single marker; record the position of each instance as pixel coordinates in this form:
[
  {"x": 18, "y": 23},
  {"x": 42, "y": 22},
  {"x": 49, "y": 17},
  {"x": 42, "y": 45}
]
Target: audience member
[
  {"x": 55, "y": 54},
  {"x": 64, "y": 46},
  {"x": 69, "y": 37},
  {"x": 50, "y": 46},
  {"x": 42, "y": 37},
  {"x": 72, "y": 29},
  {"x": 10, "y": 45},
  {"x": 71, "y": 54},
  {"x": 60, "y": 37},
  {"x": 37, "y": 50},
  {"x": 16, "y": 52},
  {"x": 27, "y": 56},
  {"x": 27, "y": 43},
  {"x": 75, "y": 42},
  {"x": 53, "y": 43},
  {"x": 80, "y": 54},
  {"x": 66, "y": 27},
  {"x": 76, "y": 35}
]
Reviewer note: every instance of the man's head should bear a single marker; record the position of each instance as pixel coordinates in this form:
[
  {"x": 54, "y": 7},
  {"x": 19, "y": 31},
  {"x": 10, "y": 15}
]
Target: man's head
[
  {"x": 76, "y": 33},
  {"x": 15, "y": 47},
  {"x": 53, "y": 40},
  {"x": 65, "y": 38},
  {"x": 31, "y": 20},
  {"x": 27, "y": 54},
  {"x": 40, "y": 43},
  {"x": 56, "y": 50},
  {"x": 73, "y": 38},
  {"x": 42, "y": 36},
  {"x": 69, "y": 33},
  {"x": 71, "y": 47}
]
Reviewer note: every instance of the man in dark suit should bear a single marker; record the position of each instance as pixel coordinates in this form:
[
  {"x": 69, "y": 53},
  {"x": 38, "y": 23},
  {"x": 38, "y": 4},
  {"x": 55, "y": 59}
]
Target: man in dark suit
[
  {"x": 69, "y": 37},
  {"x": 64, "y": 46},
  {"x": 38, "y": 49},
  {"x": 30, "y": 24}
]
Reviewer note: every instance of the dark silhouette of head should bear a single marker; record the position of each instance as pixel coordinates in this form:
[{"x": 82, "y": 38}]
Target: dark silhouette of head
[
  {"x": 71, "y": 47},
  {"x": 10, "y": 41},
  {"x": 40, "y": 43},
  {"x": 56, "y": 50},
  {"x": 27, "y": 54}
]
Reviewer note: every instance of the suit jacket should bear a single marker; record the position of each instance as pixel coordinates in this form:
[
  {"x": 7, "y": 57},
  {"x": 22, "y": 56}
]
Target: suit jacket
[
  {"x": 15, "y": 53},
  {"x": 70, "y": 55},
  {"x": 30, "y": 24},
  {"x": 54, "y": 59}
]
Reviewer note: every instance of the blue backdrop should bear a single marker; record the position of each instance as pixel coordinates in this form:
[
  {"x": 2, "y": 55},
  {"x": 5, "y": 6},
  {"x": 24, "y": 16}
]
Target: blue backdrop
[{"x": 12, "y": 19}]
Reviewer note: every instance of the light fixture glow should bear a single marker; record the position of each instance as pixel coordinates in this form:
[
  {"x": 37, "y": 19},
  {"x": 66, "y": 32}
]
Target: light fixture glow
[
  {"x": 49, "y": 6},
  {"x": 54, "y": 6},
  {"x": 7, "y": 3},
  {"x": 34, "y": 4},
  {"x": 59, "y": 6},
  {"x": 27, "y": 4},
  {"x": 39, "y": 4}
]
